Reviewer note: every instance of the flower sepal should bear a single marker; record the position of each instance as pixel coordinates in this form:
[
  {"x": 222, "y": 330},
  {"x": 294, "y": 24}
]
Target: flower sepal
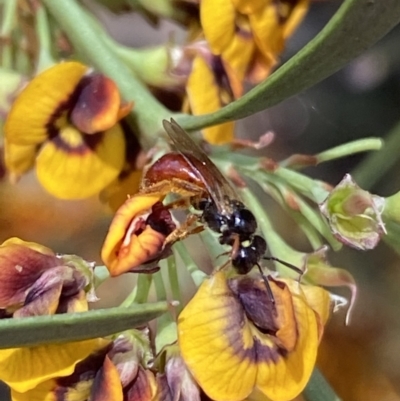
[{"x": 354, "y": 215}]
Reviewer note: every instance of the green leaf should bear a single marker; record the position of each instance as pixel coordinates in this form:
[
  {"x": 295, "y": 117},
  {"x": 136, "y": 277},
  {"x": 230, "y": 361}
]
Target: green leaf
[
  {"x": 38, "y": 330},
  {"x": 355, "y": 27}
]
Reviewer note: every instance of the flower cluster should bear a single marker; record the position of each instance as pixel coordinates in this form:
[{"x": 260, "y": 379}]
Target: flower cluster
[
  {"x": 269, "y": 345},
  {"x": 236, "y": 41},
  {"x": 76, "y": 136}
]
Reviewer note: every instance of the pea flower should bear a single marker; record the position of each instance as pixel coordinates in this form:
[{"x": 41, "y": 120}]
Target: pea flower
[
  {"x": 260, "y": 345},
  {"x": 354, "y": 215},
  {"x": 98, "y": 369},
  {"x": 64, "y": 123},
  {"x": 39, "y": 373},
  {"x": 250, "y": 34},
  {"x": 137, "y": 235}
]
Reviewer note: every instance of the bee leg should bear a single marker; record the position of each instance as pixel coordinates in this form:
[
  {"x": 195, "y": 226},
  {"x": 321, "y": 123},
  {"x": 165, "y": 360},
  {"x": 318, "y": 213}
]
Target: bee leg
[
  {"x": 183, "y": 203},
  {"x": 184, "y": 230},
  {"x": 267, "y": 286},
  {"x": 223, "y": 266},
  {"x": 289, "y": 265}
]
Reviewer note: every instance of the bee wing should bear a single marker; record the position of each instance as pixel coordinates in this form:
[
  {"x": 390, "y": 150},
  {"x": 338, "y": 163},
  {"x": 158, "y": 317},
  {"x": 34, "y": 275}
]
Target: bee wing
[{"x": 219, "y": 188}]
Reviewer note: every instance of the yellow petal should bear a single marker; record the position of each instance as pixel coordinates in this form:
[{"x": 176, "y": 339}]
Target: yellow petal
[
  {"x": 31, "y": 245},
  {"x": 224, "y": 350},
  {"x": 319, "y": 300},
  {"x": 285, "y": 378},
  {"x": 216, "y": 343},
  {"x": 249, "y": 6},
  {"x": 294, "y": 16},
  {"x": 70, "y": 169},
  {"x": 42, "y": 392},
  {"x": 24, "y": 368},
  {"x": 18, "y": 159},
  {"x": 239, "y": 54},
  {"x": 37, "y": 103},
  {"x": 78, "y": 303},
  {"x": 51, "y": 391},
  {"x": 268, "y": 32},
  {"x": 218, "y": 23},
  {"x": 123, "y": 249},
  {"x": 204, "y": 97}
]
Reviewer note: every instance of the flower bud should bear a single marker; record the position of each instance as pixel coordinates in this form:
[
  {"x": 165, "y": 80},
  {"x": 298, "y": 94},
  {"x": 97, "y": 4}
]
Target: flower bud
[{"x": 354, "y": 215}]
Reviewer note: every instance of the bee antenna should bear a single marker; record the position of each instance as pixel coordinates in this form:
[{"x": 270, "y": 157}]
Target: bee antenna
[
  {"x": 268, "y": 287},
  {"x": 289, "y": 265}
]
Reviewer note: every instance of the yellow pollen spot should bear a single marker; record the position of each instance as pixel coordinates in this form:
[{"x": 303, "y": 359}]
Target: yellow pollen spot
[{"x": 71, "y": 136}]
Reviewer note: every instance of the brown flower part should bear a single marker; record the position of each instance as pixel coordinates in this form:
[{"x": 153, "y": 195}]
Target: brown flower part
[
  {"x": 34, "y": 281},
  {"x": 21, "y": 266},
  {"x": 137, "y": 235}
]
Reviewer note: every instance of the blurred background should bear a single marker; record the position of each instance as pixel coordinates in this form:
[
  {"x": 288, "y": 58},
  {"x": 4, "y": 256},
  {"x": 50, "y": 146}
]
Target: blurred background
[{"x": 362, "y": 361}]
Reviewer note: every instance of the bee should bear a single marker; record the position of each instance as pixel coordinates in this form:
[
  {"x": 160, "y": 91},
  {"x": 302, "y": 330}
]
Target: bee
[{"x": 190, "y": 173}]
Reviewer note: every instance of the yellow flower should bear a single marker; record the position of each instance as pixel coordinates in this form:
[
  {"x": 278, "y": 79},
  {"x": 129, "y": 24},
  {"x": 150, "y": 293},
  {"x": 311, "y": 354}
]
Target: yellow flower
[
  {"x": 250, "y": 34},
  {"x": 32, "y": 372},
  {"x": 234, "y": 340},
  {"x": 211, "y": 85},
  {"x": 137, "y": 234},
  {"x": 97, "y": 369},
  {"x": 64, "y": 123}
]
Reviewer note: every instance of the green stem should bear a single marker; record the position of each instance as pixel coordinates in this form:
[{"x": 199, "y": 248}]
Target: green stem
[
  {"x": 42, "y": 27},
  {"x": 174, "y": 281},
  {"x": 310, "y": 188},
  {"x": 166, "y": 327},
  {"x": 164, "y": 8},
  {"x": 141, "y": 292},
  {"x": 211, "y": 242},
  {"x": 350, "y": 148},
  {"x": 355, "y": 27},
  {"x": 148, "y": 112},
  {"x": 7, "y": 24},
  {"x": 318, "y": 389},
  {"x": 101, "y": 274},
  {"x": 159, "y": 286},
  {"x": 376, "y": 165},
  {"x": 198, "y": 275}
]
